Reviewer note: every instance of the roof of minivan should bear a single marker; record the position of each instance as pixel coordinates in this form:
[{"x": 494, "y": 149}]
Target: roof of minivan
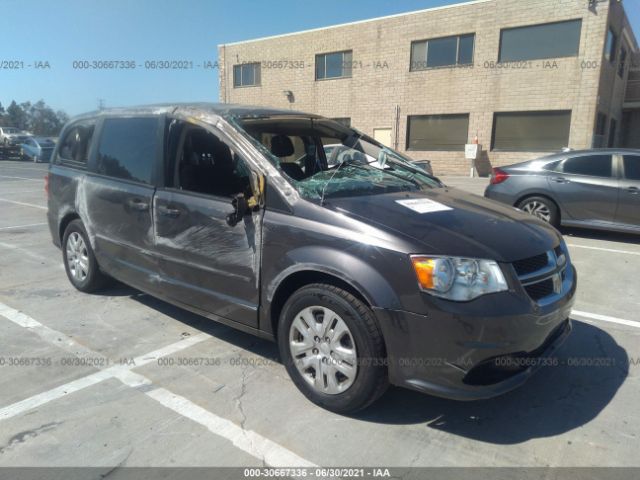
[{"x": 222, "y": 109}]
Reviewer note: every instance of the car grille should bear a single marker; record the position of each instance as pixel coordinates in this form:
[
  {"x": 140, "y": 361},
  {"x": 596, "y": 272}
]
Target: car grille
[
  {"x": 542, "y": 275},
  {"x": 540, "y": 290},
  {"x": 532, "y": 264}
]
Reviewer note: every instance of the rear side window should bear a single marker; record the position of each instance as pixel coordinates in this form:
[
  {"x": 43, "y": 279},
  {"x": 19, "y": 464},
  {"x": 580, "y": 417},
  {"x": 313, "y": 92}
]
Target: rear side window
[
  {"x": 128, "y": 148},
  {"x": 75, "y": 144},
  {"x": 592, "y": 165},
  {"x": 632, "y": 167}
]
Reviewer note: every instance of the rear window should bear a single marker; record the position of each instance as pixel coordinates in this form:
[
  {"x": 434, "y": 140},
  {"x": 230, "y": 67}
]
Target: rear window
[
  {"x": 591, "y": 165},
  {"x": 128, "y": 148},
  {"x": 75, "y": 144}
]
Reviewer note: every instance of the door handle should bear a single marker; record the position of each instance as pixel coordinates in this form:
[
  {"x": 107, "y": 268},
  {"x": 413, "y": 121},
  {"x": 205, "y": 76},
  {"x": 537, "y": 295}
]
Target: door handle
[
  {"x": 168, "y": 212},
  {"x": 633, "y": 190},
  {"x": 137, "y": 204},
  {"x": 559, "y": 180}
]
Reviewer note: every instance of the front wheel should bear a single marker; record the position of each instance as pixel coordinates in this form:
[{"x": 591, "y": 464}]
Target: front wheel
[
  {"x": 79, "y": 260},
  {"x": 542, "y": 208},
  {"x": 332, "y": 348}
]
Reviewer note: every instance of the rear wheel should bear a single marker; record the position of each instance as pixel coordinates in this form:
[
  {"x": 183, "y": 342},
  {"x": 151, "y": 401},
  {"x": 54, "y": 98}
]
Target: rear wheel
[
  {"x": 542, "y": 208},
  {"x": 332, "y": 348},
  {"x": 79, "y": 260}
]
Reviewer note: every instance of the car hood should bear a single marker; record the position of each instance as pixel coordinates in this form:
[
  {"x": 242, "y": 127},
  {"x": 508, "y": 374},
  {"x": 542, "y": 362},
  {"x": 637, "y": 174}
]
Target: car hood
[{"x": 448, "y": 221}]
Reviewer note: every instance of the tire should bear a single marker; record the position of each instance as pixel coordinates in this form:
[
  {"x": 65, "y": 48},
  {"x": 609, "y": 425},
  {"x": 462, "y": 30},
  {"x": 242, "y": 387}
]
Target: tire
[
  {"x": 366, "y": 378},
  {"x": 79, "y": 260},
  {"x": 542, "y": 208}
]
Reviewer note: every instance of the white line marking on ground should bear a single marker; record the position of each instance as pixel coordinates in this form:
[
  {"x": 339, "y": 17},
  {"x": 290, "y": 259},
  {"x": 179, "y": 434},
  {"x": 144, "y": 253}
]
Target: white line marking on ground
[
  {"x": 606, "y": 318},
  {"x": 28, "y": 253},
  {"x": 23, "y": 226},
  {"x": 612, "y": 250},
  {"x": 271, "y": 453},
  {"x": 23, "y": 178},
  {"x": 15, "y": 167},
  {"x": 53, "y": 394},
  {"x": 249, "y": 441},
  {"x": 23, "y": 203}
]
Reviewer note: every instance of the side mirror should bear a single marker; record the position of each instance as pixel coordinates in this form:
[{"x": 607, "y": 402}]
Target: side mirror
[{"x": 240, "y": 208}]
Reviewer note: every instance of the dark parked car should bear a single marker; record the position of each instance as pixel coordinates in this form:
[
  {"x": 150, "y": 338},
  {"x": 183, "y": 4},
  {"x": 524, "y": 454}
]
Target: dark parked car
[
  {"x": 590, "y": 188},
  {"x": 37, "y": 149},
  {"x": 367, "y": 272}
]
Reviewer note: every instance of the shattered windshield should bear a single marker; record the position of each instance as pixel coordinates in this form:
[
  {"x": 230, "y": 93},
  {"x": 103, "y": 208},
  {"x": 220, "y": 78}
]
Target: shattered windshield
[{"x": 324, "y": 159}]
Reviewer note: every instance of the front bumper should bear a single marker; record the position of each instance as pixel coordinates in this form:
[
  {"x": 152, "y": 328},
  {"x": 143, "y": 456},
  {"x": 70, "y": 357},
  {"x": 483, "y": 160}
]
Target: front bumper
[{"x": 475, "y": 350}]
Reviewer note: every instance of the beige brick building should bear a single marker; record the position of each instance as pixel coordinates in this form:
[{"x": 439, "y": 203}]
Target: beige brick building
[{"x": 526, "y": 76}]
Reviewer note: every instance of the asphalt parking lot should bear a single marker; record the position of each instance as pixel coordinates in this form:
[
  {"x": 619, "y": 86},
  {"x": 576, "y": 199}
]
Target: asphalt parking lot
[{"x": 122, "y": 379}]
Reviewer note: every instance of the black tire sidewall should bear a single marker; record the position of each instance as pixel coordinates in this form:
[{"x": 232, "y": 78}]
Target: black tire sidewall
[
  {"x": 371, "y": 363},
  {"x": 92, "y": 281}
]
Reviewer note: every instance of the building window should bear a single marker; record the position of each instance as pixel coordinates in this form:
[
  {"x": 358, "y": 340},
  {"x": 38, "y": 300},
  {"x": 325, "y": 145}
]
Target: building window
[
  {"x": 246, "y": 75},
  {"x": 623, "y": 62},
  {"x": 437, "y": 132},
  {"x": 534, "y": 42},
  {"x": 442, "y": 52},
  {"x": 601, "y": 128},
  {"x": 346, "y": 121},
  {"x": 612, "y": 133},
  {"x": 334, "y": 65},
  {"x": 531, "y": 131},
  {"x": 611, "y": 46},
  {"x": 128, "y": 148}
]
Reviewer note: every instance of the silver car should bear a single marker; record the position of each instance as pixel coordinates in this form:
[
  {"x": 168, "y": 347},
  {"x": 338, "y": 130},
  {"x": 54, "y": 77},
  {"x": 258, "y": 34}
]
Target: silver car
[{"x": 590, "y": 188}]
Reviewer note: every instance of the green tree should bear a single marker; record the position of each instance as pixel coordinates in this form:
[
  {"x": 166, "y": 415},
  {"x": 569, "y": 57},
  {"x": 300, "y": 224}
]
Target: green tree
[{"x": 17, "y": 117}]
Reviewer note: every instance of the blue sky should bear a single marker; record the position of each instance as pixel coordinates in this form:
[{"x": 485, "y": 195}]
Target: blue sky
[{"x": 60, "y": 32}]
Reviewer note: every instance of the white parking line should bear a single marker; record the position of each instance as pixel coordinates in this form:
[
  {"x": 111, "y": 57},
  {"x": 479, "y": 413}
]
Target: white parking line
[
  {"x": 606, "y": 318},
  {"x": 23, "y": 178},
  {"x": 612, "y": 250},
  {"x": 269, "y": 452},
  {"x": 249, "y": 441},
  {"x": 23, "y": 203},
  {"x": 23, "y": 226},
  {"x": 29, "y": 254},
  {"x": 14, "y": 167}
]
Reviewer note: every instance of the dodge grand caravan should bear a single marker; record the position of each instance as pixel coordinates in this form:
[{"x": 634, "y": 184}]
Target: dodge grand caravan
[{"x": 366, "y": 272}]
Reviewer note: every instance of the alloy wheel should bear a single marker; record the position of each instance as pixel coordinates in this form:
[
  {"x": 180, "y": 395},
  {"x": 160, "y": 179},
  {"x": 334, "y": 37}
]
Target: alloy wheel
[
  {"x": 77, "y": 257},
  {"x": 538, "y": 209},
  {"x": 323, "y": 350}
]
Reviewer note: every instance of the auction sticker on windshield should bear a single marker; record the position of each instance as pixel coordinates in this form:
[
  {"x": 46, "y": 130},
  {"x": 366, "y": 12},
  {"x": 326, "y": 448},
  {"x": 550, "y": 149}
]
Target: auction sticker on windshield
[{"x": 423, "y": 205}]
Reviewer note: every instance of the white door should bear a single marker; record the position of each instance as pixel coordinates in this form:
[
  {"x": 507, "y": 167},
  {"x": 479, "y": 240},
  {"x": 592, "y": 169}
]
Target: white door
[{"x": 383, "y": 135}]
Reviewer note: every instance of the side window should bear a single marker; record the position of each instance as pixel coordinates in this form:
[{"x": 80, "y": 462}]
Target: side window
[
  {"x": 591, "y": 165},
  {"x": 632, "y": 167},
  {"x": 128, "y": 148},
  {"x": 201, "y": 162},
  {"x": 76, "y": 142}
]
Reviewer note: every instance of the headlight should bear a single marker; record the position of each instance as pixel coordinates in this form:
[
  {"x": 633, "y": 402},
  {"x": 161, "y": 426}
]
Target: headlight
[{"x": 459, "y": 279}]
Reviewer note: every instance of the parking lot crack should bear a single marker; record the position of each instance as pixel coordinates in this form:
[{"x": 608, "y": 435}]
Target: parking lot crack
[{"x": 243, "y": 415}]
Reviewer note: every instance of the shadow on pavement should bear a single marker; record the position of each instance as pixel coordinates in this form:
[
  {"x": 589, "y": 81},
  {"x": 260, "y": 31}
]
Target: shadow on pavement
[
  {"x": 601, "y": 235},
  {"x": 555, "y": 400}
]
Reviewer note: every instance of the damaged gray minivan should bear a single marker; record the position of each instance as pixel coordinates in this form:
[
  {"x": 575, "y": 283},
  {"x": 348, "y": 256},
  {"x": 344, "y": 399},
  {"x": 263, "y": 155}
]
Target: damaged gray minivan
[{"x": 365, "y": 270}]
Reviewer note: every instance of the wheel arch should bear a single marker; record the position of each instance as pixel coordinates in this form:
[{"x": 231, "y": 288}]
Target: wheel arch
[
  {"x": 362, "y": 281},
  {"x": 524, "y": 196},
  {"x": 66, "y": 219}
]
